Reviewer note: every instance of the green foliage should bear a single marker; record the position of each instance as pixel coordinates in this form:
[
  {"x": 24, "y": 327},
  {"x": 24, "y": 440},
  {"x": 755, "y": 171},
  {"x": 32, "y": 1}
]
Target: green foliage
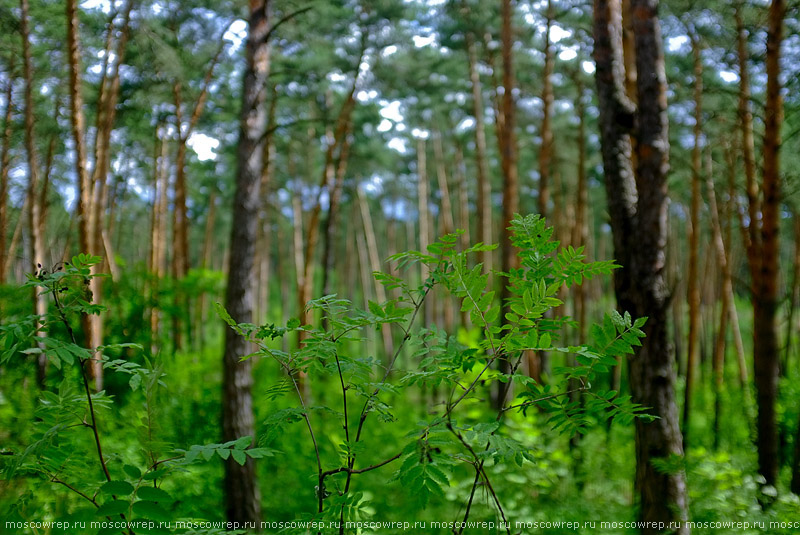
[
  {"x": 66, "y": 439},
  {"x": 452, "y": 436}
]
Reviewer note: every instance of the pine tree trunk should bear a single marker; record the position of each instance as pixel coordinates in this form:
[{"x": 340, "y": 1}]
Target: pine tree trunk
[
  {"x": 34, "y": 200},
  {"x": 375, "y": 265},
  {"x": 765, "y": 280},
  {"x": 546, "y": 150},
  {"x": 638, "y": 219},
  {"x": 728, "y": 313},
  {"x": 423, "y": 197},
  {"x": 242, "y": 497},
  {"x": 693, "y": 290},
  {"x": 508, "y": 163},
  {"x": 484, "y": 195},
  {"x": 5, "y": 162}
]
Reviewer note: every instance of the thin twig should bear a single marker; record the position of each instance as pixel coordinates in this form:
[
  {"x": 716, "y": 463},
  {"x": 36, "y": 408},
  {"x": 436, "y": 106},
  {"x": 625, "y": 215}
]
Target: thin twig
[
  {"x": 85, "y": 384},
  {"x": 361, "y": 470}
]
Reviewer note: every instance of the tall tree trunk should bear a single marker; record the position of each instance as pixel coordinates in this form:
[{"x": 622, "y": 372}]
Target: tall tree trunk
[
  {"x": 375, "y": 265},
  {"x": 5, "y": 162},
  {"x": 638, "y": 219},
  {"x": 205, "y": 263},
  {"x": 744, "y": 382},
  {"x": 484, "y": 196},
  {"x": 335, "y": 197},
  {"x": 264, "y": 252},
  {"x": 580, "y": 235},
  {"x": 34, "y": 200},
  {"x": 242, "y": 496},
  {"x": 336, "y": 139},
  {"x": 16, "y": 236},
  {"x": 752, "y": 238},
  {"x": 86, "y": 232},
  {"x": 158, "y": 239},
  {"x": 546, "y": 150},
  {"x": 184, "y": 131},
  {"x": 728, "y": 312},
  {"x": 508, "y": 161},
  {"x": 446, "y": 213},
  {"x": 693, "y": 289},
  {"x": 423, "y": 196},
  {"x": 766, "y": 356}
]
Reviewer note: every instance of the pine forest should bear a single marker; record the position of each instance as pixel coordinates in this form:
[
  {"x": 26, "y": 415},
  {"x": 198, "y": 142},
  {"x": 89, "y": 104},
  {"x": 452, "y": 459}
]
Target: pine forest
[{"x": 399, "y": 267}]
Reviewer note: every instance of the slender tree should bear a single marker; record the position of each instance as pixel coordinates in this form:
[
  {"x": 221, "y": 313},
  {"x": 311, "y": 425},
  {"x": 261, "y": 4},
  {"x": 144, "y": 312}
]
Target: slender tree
[
  {"x": 764, "y": 265},
  {"x": 242, "y": 497},
  {"x": 693, "y": 288},
  {"x": 508, "y": 162},
  {"x": 5, "y": 162}
]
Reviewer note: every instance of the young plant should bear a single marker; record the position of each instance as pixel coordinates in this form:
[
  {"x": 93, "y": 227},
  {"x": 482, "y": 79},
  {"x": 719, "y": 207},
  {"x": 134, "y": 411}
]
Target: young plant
[
  {"x": 452, "y": 436},
  {"x": 121, "y": 491}
]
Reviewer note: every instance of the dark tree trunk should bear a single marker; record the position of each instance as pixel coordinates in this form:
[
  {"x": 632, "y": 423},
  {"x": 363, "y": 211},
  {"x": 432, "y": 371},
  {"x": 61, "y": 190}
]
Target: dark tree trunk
[
  {"x": 508, "y": 157},
  {"x": 242, "y": 499},
  {"x": 638, "y": 210},
  {"x": 765, "y": 279}
]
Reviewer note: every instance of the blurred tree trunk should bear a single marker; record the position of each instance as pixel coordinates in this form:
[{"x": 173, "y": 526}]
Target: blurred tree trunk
[
  {"x": 728, "y": 314},
  {"x": 199, "y": 340},
  {"x": 638, "y": 219},
  {"x": 375, "y": 265},
  {"x": 693, "y": 289},
  {"x": 546, "y": 150},
  {"x": 184, "y": 131},
  {"x": 242, "y": 497},
  {"x": 85, "y": 205},
  {"x": 484, "y": 195},
  {"x": 264, "y": 249},
  {"x": 333, "y": 153},
  {"x": 34, "y": 189},
  {"x": 5, "y": 162},
  {"x": 423, "y": 197},
  {"x": 764, "y": 252},
  {"x": 335, "y": 198},
  {"x": 508, "y": 161},
  {"x": 744, "y": 381},
  {"x": 158, "y": 242},
  {"x": 92, "y": 189},
  {"x": 446, "y": 222}
]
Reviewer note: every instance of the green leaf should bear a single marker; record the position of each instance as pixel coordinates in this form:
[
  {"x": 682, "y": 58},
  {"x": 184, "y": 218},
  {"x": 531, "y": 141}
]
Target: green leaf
[
  {"x": 151, "y": 510},
  {"x": 242, "y": 442},
  {"x": 132, "y": 471},
  {"x": 117, "y": 488},
  {"x": 239, "y": 456},
  {"x": 153, "y": 494},
  {"x": 114, "y": 507}
]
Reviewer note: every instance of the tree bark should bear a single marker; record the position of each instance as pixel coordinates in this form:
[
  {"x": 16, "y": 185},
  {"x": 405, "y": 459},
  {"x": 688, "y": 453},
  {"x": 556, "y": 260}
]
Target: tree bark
[
  {"x": 728, "y": 312},
  {"x": 546, "y": 150},
  {"x": 34, "y": 200},
  {"x": 693, "y": 289},
  {"x": 765, "y": 280},
  {"x": 5, "y": 162},
  {"x": 242, "y": 496},
  {"x": 423, "y": 197},
  {"x": 484, "y": 195},
  {"x": 508, "y": 163},
  {"x": 375, "y": 265},
  {"x": 638, "y": 219}
]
